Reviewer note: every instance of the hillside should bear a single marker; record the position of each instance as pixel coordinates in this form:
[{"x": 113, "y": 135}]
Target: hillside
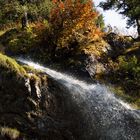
[{"x": 63, "y": 76}]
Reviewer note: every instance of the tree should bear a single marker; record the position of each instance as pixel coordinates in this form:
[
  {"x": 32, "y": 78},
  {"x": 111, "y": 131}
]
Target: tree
[
  {"x": 23, "y": 11},
  {"x": 128, "y": 8},
  {"x": 35, "y": 9},
  {"x": 72, "y": 24},
  {"x": 9, "y": 11},
  {"x": 73, "y": 18}
]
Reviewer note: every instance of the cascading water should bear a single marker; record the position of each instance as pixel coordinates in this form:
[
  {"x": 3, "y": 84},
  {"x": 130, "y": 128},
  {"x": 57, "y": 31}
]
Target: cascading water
[{"x": 107, "y": 116}]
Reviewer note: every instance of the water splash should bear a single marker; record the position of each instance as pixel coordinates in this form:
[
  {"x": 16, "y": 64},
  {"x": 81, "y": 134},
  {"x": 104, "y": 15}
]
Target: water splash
[
  {"x": 27, "y": 84},
  {"x": 111, "y": 117}
]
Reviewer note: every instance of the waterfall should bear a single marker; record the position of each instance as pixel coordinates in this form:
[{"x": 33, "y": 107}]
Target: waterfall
[{"x": 110, "y": 117}]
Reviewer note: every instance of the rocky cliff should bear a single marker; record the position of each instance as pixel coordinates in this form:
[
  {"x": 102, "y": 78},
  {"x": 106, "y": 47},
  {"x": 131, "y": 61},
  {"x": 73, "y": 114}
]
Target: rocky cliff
[{"x": 33, "y": 106}]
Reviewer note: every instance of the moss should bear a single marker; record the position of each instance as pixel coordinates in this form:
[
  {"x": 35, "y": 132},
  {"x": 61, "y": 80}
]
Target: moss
[
  {"x": 9, "y": 66},
  {"x": 30, "y": 69},
  {"x": 2, "y": 32},
  {"x": 9, "y": 132}
]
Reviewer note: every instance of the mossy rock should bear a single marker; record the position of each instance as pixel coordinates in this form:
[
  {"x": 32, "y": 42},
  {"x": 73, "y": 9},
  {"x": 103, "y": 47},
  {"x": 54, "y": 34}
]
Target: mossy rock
[
  {"x": 9, "y": 133},
  {"x": 9, "y": 66}
]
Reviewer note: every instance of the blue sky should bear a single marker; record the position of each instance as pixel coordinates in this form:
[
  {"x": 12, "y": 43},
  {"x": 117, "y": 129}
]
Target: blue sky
[{"x": 114, "y": 19}]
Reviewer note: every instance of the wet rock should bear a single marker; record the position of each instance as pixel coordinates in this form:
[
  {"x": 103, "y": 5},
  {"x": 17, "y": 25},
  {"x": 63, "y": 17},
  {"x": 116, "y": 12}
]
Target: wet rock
[
  {"x": 37, "y": 107},
  {"x": 91, "y": 65}
]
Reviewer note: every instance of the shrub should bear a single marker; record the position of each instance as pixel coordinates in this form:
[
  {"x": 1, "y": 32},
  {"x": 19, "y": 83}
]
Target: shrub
[
  {"x": 126, "y": 73},
  {"x": 129, "y": 66}
]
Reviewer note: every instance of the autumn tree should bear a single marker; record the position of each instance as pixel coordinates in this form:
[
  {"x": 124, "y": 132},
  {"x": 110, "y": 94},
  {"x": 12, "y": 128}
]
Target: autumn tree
[
  {"x": 73, "y": 20},
  {"x": 128, "y": 8}
]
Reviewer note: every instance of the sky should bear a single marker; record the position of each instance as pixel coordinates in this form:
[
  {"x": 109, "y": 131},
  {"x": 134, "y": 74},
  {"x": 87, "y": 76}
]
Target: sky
[{"x": 111, "y": 17}]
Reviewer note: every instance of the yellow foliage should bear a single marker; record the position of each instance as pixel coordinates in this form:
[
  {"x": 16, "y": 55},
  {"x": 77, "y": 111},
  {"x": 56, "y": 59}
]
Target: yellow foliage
[{"x": 72, "y": 18}]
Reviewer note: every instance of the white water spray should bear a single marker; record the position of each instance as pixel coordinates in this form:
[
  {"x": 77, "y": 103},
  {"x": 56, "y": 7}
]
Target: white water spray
[{"x": 98, "y": 104}]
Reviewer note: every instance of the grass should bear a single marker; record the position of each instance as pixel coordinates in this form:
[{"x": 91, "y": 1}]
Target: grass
[
  {"x": 119, "y": 91},
  {"x": 124, "y": 74}
]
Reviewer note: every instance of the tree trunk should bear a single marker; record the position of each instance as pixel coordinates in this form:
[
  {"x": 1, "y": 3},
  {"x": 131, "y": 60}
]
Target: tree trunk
[
  {"x": 24, "y": 20},
  {"x": 138, "y": 27}
]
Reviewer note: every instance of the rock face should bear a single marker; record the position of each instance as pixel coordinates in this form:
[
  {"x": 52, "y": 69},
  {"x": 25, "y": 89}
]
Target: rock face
[
  {"x": 53, "y": 115},
  {"x": 28, "y": 106},
  {"x": 35, "y": 107},
  {"x": 94, "y": 66}
]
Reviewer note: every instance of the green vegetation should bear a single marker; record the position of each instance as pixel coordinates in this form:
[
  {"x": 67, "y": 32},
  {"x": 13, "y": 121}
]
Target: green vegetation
[
  {"x": 18, "y": 41},
  {"x": 59, "y": 35},
  {"x": 9, "y": 67},
  {"x": 21, "y": 12},
  {"x": 124, "y": 68},
  {"x": 121, "y": 93},
  {"x": 127, "y": 74}
]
